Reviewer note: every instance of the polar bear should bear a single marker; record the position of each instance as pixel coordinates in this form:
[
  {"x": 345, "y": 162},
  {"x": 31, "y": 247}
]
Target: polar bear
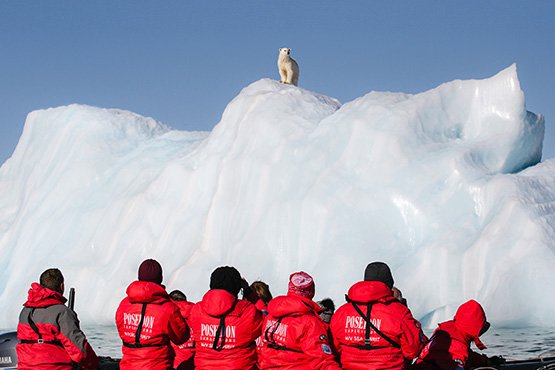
[{"x": 287, "y": 67}]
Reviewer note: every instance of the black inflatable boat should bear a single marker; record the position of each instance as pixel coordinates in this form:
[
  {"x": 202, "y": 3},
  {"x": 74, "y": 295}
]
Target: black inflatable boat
[
  {"x": 544, "y": 362},
  {"x": 8, "y": 358}
]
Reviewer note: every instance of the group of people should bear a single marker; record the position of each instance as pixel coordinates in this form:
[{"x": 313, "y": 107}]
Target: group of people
[{"x": 374, "y": 329}]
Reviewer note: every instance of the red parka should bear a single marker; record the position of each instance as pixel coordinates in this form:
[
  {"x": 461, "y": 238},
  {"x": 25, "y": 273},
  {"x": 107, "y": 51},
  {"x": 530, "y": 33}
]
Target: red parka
[
  {"x": 224, "y": 329},
  {"x": 58, "y": 327},
  {"x": 262, "y": 307},
  {"x": 449, "y": 346},
  {"x": 149, "y": 307},
  {"x": 294, "y": 336},
  {"x": 184, "y": 352},
  {"x": 401, "y": 337}
]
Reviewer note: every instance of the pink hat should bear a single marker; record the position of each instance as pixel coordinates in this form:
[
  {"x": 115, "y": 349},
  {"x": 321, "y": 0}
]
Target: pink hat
[{"x": 301, "y": 283}]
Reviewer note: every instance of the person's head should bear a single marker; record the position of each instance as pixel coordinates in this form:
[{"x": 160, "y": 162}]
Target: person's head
[
  {"x": 398, "y": 295},
  {"x": 379, "y": 271},
  {"x": 262, "y": 290},
  {"x": 53, "y": 280},
  {"x": 328, "y": 308},
  {"x": 178, "y": 295},
  {"x": 470, "y": 319},
  {"x": 151, "y": 271},
  {"x": 302, "y": 284},
  {"x": 226, "y": 278}
]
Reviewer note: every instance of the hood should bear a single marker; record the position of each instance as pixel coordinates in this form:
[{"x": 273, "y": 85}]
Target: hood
[
  {"x": 370, "y": 291},
  {"x": 292, "y": 304},
  {"x": 146, "y": 292},
  {"x": 217, "y": 302},
  {"x": 39, "y": 296},
  {"x": 470, "y": 319}
]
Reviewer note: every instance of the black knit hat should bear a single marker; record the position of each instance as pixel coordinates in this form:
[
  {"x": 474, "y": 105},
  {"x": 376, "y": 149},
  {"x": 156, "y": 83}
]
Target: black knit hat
[
  {"x": 226, "y": 278},
  {"x": 378, "y": 271}
]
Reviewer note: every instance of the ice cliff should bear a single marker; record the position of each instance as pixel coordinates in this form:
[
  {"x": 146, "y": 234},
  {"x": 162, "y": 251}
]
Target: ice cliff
[{"x": 446, "y": 186}]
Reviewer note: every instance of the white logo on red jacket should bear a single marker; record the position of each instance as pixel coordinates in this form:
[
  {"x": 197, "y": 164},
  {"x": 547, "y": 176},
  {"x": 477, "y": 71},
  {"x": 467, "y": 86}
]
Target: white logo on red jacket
[
  {"x": 276, "y": 331},
  {"x": 208, "y": 335},
  {"x": 131, "y": 320},
  {"x": 358, "y": 323},
  {"x": 355, "y": 327}
]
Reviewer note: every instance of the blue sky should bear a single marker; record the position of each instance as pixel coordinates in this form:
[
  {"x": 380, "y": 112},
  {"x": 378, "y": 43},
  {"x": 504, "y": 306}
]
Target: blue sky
[{"x": 181, "y": 62}]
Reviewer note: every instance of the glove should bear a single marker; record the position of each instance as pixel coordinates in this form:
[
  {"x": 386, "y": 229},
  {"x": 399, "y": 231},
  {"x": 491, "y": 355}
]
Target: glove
[{"x": 496, "y": 360}]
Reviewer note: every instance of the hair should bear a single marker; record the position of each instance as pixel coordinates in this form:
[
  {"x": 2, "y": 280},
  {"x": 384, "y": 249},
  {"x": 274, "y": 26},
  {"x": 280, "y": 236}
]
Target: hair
[
  {"x": 328, "y": 309},
  {"x": 52, "y": 279},
  {"x": 397, "y": 293},
  {"x": 262, "y": 290},
  {"x": 398, "y": 296},
  {"x": 327, "y": 303},
  {"x": 178, "y": 295}
]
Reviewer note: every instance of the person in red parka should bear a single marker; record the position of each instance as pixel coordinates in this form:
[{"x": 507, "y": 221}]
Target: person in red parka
[
  {"x": 224, "y": 327},
  {"x": 294, "y": 335},
  {"x": 148, "y": 321},
  {"x": 449, "y": 346},
  {"x": 184, "y": 353},
  {"x": 48, "y": 331},
  {"x": 262, "y": 292},
  {"x": 373, "y": 330}
]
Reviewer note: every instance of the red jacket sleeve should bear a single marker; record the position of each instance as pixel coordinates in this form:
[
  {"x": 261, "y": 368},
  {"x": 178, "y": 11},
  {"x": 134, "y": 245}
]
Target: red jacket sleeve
[
  {"x": 74, "y": 341},
  {"x": 254, "y": 317},
  {"x": 178, "y": 330},
  {"x": 412, "y": 337},
  {"x": 315, "y": 343}
]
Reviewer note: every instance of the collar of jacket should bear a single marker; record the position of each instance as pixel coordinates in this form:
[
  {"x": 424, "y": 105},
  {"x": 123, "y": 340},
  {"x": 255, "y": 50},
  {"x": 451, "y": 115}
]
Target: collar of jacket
[
  {"x": 39, "y": 296},
  {"x": 370, "y": 291},
  {"x": 146, "y": 292}
]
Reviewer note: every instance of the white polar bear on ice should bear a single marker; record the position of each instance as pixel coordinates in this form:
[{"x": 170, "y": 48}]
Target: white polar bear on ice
[{"x": 287, "y": 67}]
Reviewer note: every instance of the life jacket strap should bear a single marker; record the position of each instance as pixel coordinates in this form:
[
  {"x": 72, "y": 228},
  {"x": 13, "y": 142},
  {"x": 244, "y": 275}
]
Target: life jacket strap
[
  {"x": 36, "y": 330},
  {"x": 270, "y": 334},
  {"x": 140, "y": 326},
  {"x": 41, "y": 341},
  {"x": 32, "y": 323},
  {"x": 221, "y": 332},
  {"x": 282, "y": 348},
  {"x": 367, "y": 344},
  {"x": 140, "y": 345}
]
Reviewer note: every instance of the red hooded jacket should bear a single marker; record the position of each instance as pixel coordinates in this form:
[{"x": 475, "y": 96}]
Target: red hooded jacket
[
  {"x": 449, "y": 346},
  {"x": 394, "y": 321},
  {"x": 294, "y": 336},
  {"x": 148, "y": 305},
  {"x": 263, "y": 308},
  {"x": 58, "y": 326},
  {"x": 184, "y": 352},
  {"x": 224, "y": 329}
]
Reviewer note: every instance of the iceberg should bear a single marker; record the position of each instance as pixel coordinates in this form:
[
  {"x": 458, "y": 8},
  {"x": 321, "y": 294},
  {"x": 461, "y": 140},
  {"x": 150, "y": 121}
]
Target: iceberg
[{"x": 446, "y": 186}]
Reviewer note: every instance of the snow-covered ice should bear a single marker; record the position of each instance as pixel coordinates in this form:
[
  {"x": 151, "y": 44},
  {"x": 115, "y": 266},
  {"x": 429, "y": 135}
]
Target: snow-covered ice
[{"x": 446, "y": 186}]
